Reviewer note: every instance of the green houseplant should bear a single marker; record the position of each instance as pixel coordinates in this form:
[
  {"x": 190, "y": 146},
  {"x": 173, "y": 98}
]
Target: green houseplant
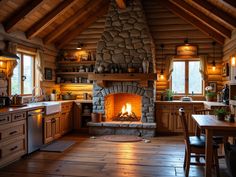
[
  {"x": 221, "y": 113},
  {"x": 209, "y": 94},
  {"x": 169, "y": 94}
]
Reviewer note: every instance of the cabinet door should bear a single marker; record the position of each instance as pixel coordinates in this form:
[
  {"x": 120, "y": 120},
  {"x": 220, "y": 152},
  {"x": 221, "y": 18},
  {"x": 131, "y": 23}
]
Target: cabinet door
[
  {"x": 56, "y": 126},
  {"x": 48, "y": 134},
  {"x": 63, "y": 123},
  {"x": 164, "y": 118}
]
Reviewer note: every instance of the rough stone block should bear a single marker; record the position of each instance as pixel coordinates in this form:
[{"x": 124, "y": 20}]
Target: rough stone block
[
  {"x": 149, "y": 125},
  {"x": 93, "y": 124}
]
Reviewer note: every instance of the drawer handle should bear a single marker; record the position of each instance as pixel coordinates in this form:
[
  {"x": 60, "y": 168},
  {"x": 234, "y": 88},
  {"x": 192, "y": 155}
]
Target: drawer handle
[
  {"x": 14, "y": 148},
  {"x": 11, "y": 133},
  {"x": 2, "y": 120}
]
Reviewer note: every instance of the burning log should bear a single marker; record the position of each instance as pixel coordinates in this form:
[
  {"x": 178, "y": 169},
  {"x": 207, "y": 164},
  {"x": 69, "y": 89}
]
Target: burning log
[{"x": 126, "y": 114}]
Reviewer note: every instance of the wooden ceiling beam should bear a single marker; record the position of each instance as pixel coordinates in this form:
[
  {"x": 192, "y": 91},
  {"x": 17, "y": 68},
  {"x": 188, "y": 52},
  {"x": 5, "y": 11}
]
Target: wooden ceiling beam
[
  {"x": 194, "y": 21},
  {"x": 204, "y": 18},
  {"x": 121, "y": 4},
  {"x": 217, "y": 12},
  {"x": 78, "y": 16},
  {"x": 231, "y": 2},
  {"x": 49, "y": 18},
  {"x": 70, "y": 35},
  {"x": 20, "y": 14}
]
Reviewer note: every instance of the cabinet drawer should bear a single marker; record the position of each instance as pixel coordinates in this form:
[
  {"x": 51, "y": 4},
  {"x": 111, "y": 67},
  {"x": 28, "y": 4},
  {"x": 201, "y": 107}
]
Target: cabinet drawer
[
  {"x": 164, "y": 107},
  {"x": 5, "y": 119},
  {"x": 12, "y": 132},
  {"x": 186, "y": 107},
  {"x": 18, "y": 116},
  {"x": 13, "y": 147}
]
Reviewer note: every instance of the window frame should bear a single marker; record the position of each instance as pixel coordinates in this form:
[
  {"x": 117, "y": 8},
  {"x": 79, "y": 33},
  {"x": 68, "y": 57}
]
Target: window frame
[
  {"x": 22, "y": 53},
  {"x": 187, "y": 77}
]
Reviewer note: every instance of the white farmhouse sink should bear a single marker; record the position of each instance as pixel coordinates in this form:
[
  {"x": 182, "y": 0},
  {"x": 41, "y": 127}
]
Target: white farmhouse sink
[{"x": 50, "y": 107}]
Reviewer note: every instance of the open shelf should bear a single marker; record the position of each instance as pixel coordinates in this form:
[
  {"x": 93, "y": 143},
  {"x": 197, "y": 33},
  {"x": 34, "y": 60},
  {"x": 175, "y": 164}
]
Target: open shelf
[
  {"x": 74, "y": 63},
  {"x": 74, "y": 73},
  {"x": 141, "y": 78}
]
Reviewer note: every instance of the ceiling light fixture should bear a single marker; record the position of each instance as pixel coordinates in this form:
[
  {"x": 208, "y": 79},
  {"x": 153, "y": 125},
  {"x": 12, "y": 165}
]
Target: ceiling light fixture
[
  {"x": 213, "y": 62},
  {"x": 79, "y": 46}
]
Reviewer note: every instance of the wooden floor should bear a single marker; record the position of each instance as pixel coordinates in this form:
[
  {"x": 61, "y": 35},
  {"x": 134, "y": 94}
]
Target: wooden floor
[{"x": 163, "y": 157}]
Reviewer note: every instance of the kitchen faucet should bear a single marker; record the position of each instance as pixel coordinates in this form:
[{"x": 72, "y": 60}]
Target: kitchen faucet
[{"x": 35, "y": 97}]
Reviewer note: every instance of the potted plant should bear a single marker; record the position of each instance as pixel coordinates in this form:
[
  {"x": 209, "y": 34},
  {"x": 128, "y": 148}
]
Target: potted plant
[
  {"x": 169, "y": 95},
  {"x": 221, "y": 113},
  {"x": 209, "y": 94}
]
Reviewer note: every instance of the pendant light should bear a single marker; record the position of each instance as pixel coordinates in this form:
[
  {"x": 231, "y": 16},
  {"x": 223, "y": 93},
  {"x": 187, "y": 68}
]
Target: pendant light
[
  {"x": 213, "y": 62},
  {"x": 162, "y": 58},
  {"x": 79, "y": 46}
]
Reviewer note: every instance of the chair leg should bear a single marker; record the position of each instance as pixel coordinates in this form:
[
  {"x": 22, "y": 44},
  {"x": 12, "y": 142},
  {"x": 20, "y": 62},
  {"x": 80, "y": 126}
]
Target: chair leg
[
  {"x": 185, "y": 156},
  {"x": 216, "y": 163},
  {"x": 188, "y": 158}
]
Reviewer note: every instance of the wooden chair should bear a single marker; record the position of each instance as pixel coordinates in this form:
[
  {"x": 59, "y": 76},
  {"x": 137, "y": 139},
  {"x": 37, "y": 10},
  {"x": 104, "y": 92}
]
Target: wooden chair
[{"x": 195, "y": 147}]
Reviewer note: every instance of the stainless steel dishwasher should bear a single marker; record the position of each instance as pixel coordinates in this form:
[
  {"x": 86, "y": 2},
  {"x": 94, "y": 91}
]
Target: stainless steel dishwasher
[{"x": 35, "y": 129}]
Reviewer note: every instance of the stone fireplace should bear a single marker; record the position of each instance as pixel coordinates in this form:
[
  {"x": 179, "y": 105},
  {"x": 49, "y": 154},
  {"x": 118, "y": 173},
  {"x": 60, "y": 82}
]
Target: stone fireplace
[{"x": 125, "y": 42}]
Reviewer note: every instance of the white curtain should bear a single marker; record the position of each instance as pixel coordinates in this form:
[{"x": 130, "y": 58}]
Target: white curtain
[
  {"x": 39, "y": 67},
  {"x": 170, "y": 66},
  {"x": 202, "y": 68}
]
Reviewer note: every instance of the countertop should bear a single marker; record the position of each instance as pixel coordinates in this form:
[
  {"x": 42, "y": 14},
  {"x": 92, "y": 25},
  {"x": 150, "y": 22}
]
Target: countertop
[
  {"x": 29, "y": 106},
  {"x": 206, "y": 103}
]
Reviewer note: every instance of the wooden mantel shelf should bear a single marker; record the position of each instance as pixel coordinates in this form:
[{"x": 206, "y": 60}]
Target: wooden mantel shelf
[{"x": 141, "y": 78}]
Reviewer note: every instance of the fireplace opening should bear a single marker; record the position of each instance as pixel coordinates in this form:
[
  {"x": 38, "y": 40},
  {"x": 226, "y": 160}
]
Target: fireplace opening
[{"x": 123, "y": 107}]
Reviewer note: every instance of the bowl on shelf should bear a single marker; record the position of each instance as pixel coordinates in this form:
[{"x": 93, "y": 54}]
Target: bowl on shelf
[{"x": 69, "y": 97}]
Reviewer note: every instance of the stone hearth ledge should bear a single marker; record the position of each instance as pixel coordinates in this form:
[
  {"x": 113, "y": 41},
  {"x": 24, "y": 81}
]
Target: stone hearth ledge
[{"x": 123, "y": 128}]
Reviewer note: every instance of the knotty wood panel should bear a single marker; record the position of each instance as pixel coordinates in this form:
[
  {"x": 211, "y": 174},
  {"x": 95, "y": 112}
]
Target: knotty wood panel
[{"x": 171, "y": 30}]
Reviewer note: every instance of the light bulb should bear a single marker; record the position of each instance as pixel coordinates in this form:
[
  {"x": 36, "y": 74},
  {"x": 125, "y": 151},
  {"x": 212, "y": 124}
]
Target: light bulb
[{"x": 233, "y": 61}]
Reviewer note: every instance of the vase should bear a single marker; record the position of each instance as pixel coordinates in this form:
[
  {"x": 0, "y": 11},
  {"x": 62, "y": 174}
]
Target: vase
[
  {"x": 53, "y": 97},
  {"x": 145, "y": 65}
]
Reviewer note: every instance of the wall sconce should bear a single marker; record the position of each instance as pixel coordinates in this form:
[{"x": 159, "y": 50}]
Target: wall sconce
[
  {"x": 162, "y": 57},
  {"x": 233, "y": 61},
  {"x": 79, "y": 46},
  {"x": 213, "y": 62},
  {"x": 2, "y": 65}
]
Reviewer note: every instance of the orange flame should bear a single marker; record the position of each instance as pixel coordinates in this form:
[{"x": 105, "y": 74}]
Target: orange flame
[{"x": 127, "y": 108}]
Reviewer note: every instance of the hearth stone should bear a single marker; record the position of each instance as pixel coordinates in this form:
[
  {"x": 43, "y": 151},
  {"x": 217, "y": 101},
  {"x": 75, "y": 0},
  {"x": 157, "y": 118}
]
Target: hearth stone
[{"x": 122, "y": 128}]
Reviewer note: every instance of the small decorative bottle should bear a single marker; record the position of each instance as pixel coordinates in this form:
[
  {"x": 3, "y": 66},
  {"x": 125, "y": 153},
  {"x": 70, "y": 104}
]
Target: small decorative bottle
[{"x": 145, "y": 65}]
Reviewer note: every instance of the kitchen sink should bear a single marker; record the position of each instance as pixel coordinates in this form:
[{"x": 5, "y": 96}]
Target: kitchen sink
[{"x": 51, "y": 107}]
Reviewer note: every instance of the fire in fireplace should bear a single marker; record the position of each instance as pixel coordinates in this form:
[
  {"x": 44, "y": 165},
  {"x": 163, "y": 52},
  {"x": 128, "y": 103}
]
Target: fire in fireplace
[
  {"x": 126, "y": 114},
  {"x": 123, "y": 107}
]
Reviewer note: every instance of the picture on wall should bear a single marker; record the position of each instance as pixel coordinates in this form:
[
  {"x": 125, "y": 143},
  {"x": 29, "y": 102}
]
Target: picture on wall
[
  {"x": 48, "y": 73},
  {"x": 225, "y": 69}
]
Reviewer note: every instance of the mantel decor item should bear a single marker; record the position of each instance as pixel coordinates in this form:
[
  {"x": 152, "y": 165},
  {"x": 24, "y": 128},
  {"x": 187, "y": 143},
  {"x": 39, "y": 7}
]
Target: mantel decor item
[
  {"x": 209, "y": 93},
  {"x": 48, "y": 73},
  {"x": 145, "y": 65}
]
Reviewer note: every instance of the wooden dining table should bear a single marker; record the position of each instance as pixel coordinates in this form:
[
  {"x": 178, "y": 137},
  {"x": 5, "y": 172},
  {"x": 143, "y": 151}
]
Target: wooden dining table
[{"x": 213, "y": 126}]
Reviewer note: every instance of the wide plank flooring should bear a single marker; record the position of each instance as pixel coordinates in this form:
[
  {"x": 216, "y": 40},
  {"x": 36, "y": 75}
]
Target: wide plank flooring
[{"x": 163, "y": 157}]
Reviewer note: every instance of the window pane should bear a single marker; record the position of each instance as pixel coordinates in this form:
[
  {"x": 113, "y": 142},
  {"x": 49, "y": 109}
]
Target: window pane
[
  {"x": 178, "y": 77},
  {"x": 195, "y": 79},
  {"x": 16, "y": 78},
  {"x": 28, "y": 73}
]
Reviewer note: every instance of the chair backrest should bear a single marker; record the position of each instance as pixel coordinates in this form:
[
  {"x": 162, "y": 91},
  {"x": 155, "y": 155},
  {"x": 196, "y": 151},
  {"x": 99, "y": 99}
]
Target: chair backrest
[
  {"x": 204, "y": 111},
  {"x": 183, "y": 119}
]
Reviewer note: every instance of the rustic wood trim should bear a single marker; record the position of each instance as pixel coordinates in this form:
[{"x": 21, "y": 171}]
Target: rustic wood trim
[
  {"x": 81, "y": 14},
  {"x": 231, "y": 2},
  {"x": 216, "y": 11},
  {"x": 11, "y": 22},
  {"x": 195, "y": 22},
  {"x": 121, "y": 4},
  {"x": 70, "y": 35},
  {"x": 49, "y": 18},
  {"x": 204, "y": 18}
]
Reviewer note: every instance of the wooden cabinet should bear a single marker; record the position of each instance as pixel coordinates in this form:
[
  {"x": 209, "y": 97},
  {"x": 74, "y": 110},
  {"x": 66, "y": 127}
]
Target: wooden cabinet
[
  {"x": 51, "y": 127},
  {"x": 167, "y": 116},
  {"x": 13, "y": 141},
  {"x": 66, "y": 117}
]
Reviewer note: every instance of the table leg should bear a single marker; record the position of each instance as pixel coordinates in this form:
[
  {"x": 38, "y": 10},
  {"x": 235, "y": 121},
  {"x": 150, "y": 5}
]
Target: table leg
[{"x": 209, "y": 153}]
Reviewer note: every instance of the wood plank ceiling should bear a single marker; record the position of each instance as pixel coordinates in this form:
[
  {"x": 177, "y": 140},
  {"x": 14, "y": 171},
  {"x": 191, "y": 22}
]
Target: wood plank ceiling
[{"x": 61, "y": 21}]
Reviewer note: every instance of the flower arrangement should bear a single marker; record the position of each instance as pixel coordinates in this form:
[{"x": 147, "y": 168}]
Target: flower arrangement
[
  {"x": 209, "y": 94},
  {"x": 221, "y": 113}
]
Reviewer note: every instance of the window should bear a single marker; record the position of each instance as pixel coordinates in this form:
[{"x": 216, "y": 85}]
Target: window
[
  {"x": 186, "y": 78},
  {"x": 22, "y": 81}
]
